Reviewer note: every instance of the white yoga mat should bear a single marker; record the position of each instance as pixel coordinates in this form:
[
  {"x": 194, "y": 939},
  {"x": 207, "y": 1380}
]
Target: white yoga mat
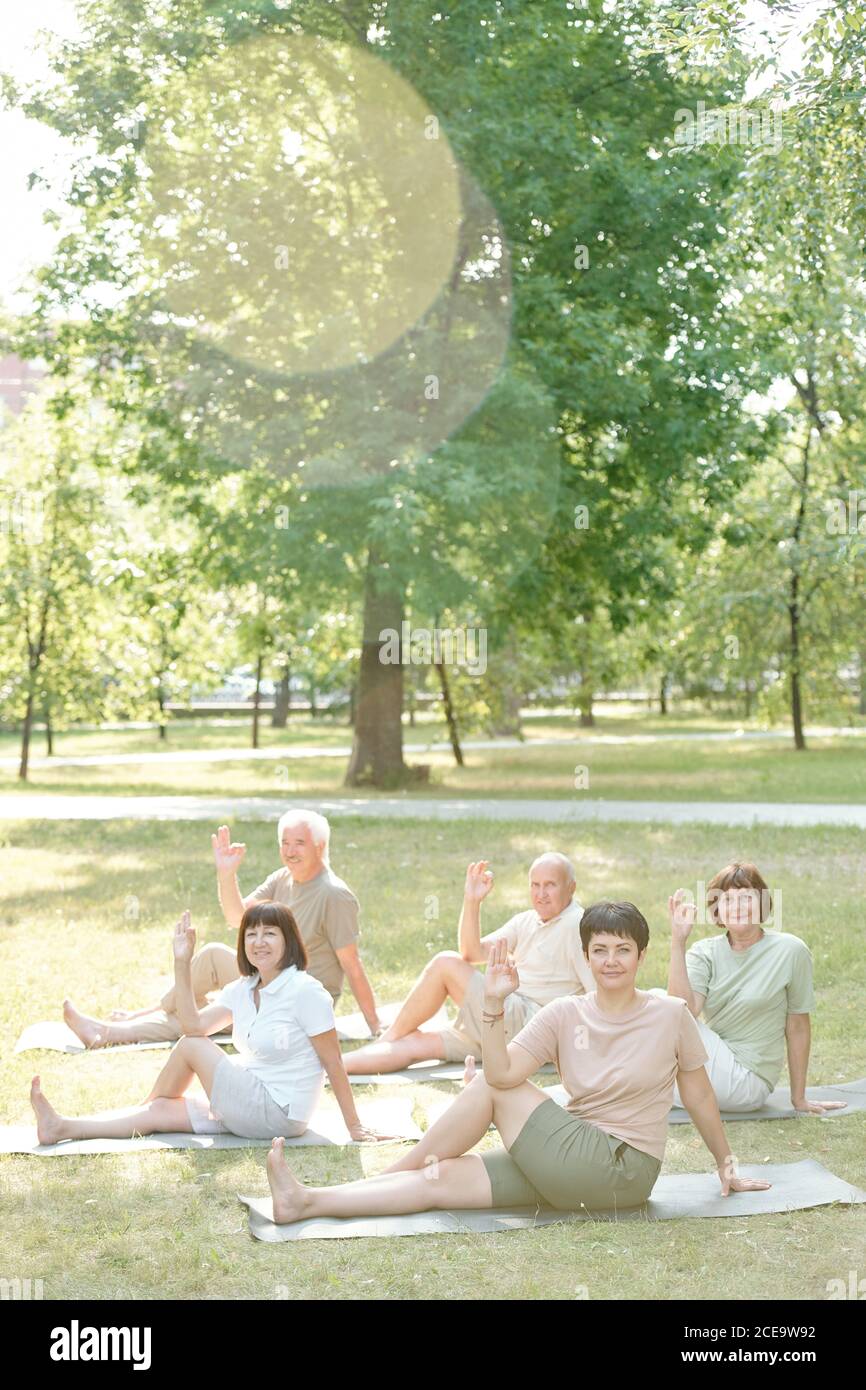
[
  {"x": 327, "y": 1129},
  {"x": 676, "y": 1196}
]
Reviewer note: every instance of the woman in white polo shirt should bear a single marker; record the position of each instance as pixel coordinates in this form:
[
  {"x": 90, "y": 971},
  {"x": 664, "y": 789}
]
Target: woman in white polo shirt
[
  {"x": 282, "y": 1027},
  {"x": 618, "y": 1051}
]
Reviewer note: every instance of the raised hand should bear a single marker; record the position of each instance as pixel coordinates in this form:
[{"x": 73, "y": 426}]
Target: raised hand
[
  {"x": 683, "y": 915},
  {"x": 184, "y": 938},
  {"x": 228, "y": 857},
  {"x": 479, "y": 881},
  {"x": 501, "y": 978}
]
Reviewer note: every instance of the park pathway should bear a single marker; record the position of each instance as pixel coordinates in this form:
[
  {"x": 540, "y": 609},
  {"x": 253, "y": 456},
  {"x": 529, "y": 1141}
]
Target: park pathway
[
  {"x": 287, "y": 752},
  {"x": 33, "y": 806}
]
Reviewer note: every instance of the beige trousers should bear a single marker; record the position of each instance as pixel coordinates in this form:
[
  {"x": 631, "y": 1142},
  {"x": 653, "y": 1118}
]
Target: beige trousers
[{"x": 212, "y": 967}]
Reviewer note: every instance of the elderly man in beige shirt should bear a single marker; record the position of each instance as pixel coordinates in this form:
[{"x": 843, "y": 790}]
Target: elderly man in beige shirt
[
  {"x": 546, "y": 948},
  {"x": 324, "y": 907}
]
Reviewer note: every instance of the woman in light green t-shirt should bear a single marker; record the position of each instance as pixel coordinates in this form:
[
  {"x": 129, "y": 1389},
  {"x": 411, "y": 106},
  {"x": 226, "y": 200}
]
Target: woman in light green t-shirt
[{"x": 754, "y": 988}]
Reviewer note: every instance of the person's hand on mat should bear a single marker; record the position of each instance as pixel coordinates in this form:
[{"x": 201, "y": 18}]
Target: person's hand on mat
[
  {"x": 501, "y": 978},
  {"x": 228, "y": 856},
  {"x": 362, "y": 1134},
  {"x": 479, "y": 881},
  {"x": 732, "y": 1183},
  {"x": 184, "y": 938},
  {"x": 683, "y": 915},
  {"x": 817, "y": 1107}
]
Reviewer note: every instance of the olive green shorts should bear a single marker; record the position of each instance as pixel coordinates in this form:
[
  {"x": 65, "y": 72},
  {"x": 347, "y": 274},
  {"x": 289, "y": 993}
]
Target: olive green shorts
[{"x": 559, "y": 1160}]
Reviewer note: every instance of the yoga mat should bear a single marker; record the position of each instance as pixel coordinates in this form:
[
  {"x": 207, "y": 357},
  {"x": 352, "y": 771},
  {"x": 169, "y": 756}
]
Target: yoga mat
[
  {"x": 327, "y": 1130},
  {"x": 676, "y": 1196},
  {"x": 778, "y": 1104},
  {"x": 55, "y": 1036}
]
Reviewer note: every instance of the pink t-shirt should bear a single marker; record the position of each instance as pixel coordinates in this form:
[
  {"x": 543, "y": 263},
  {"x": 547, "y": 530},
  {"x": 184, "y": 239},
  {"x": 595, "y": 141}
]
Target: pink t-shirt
[{"x": 618, "y": 1071}]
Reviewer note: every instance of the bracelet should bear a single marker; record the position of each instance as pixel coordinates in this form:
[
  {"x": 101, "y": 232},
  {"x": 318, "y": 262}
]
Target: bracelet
[{"x": 491, "y": 1018}]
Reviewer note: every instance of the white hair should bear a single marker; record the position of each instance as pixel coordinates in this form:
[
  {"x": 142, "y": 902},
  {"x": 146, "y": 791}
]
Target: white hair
[
  {"x": 317, "y": 825},
  {"x": 562, "y": 860}
]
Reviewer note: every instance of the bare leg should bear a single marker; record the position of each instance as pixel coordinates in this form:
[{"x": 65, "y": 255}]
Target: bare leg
[
  {"x": 468, "y": 1120},
  {"x": 459, "y": 1182},
  {"x": 163, "y": 1110},
  {"x": 446, "y": 975},
  {"x": 161, "y": 1116},
  {"x": 189, "y": 1057},
  {"x": 97, "y": 1032},
  {"x": 385, "y": 1056}
]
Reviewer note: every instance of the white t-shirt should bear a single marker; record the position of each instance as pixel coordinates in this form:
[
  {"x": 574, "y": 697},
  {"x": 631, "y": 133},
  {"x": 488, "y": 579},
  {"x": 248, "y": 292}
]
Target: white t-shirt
[
  {"x": 548, "y": 955},
  {"x": 274, "y": 1044}
]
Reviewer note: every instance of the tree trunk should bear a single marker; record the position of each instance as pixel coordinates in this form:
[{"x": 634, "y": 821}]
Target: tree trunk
[
  {"x": 796, "y": 698},
  {"x": 160, "y": 697},
  {"x": 377, "y": 746},
  {"x": 587, "y": 717},
  {"x": 25, "y": 736},
  {"x": 663, "y": 695},
  {"x": 49, "y": 734},
  {"x": 450, "y": 716},
  {"x": 257, "y": 695},
  {"x": 353, "y": 702},
  {"x": 749, "y": 693},
  {"x": 282, "y": 700},
  {"x": 313, "y": 708}
]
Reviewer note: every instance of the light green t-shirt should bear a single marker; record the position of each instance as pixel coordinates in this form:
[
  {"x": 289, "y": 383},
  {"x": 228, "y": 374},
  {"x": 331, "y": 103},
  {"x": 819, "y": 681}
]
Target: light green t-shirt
[{"x": 750, "y": 993}]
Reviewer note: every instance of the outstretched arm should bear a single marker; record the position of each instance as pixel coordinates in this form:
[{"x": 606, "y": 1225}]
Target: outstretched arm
[
  {"x": 682, "y": 915},
  {"x": 798, "y": 1040},
  {"x": 479, "y": 881},
  {"x": 195, "y": 1022},
  {"x": 327, "y": 1046},
  {"x": 350, "y": 959},
  {"x": 699, "y": 1099},
  {"x": 228, "y": 858},
  {"x": 505, "y": 1065}
]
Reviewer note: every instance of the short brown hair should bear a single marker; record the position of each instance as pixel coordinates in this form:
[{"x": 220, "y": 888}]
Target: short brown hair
[
  {"x": 615, "y": 919},
  {"x": 737, "y": 875},
  {"x": 270, "y": 914}
]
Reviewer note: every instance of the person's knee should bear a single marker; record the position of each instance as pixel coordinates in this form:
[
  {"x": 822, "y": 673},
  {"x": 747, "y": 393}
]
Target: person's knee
[
  {"x": 443, "y": 960},
  {"x": 441, "y": 1174}
]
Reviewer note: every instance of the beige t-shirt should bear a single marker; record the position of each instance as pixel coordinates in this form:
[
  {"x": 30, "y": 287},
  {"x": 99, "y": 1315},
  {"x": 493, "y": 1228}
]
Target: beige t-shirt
[
  {"x": 548, "y": 955},
  {"x": 619, "y": 1072},
  {"x": 326, "y": 911}
]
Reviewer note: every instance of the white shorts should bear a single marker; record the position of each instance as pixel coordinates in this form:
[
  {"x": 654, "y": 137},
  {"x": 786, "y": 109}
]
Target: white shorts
[
  {"x": 240, "y": 1104},
  {"x": 735, "y": 1086}
]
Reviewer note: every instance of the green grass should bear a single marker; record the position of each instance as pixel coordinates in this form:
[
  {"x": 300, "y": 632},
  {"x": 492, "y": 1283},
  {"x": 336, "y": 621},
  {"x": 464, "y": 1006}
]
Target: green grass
[
  {"x": 831, "y": 770},
  {"x": 151, "y": 1225}
]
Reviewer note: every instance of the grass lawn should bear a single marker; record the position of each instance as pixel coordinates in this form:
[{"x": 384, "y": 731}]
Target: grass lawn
[
  {"x": 86, "y": 910},
  {"x": 558, "y": 760}
]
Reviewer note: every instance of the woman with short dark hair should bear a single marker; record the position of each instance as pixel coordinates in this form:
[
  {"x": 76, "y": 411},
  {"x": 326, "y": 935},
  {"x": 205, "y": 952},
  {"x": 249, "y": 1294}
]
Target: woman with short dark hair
[
  {"x": 618, "y": 1051},
  {"x": 282, "y": 1028},
  {"x": 754, "y": 988}
]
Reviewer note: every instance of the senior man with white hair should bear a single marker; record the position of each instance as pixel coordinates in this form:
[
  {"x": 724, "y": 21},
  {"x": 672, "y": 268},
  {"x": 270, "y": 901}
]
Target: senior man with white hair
[
  {"x": 543, "y": 942},
  {"x": 324, "y": 907}
]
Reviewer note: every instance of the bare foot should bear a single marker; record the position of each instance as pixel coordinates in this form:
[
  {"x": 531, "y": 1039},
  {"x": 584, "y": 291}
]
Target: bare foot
[
  {"x": 91, "y": 1031},
  {"x": 471, "y": 1070},
  {"x": 49, "y": 1125},
  {"x": 290, "y": 1198}
]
